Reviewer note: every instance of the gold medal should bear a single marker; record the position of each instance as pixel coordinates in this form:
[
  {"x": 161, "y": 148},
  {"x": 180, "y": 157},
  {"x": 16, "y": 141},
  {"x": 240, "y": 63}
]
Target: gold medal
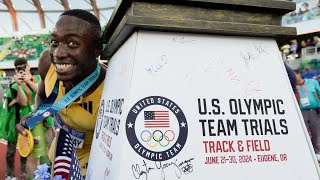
[{"x": 25, "y": 143}]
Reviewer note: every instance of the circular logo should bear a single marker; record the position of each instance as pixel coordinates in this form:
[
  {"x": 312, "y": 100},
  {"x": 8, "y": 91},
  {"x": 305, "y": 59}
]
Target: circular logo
[
  {"x": 46, "y": 114},
  {"x": 99, "y": 119},
  {"x": 156, "y": 128}
]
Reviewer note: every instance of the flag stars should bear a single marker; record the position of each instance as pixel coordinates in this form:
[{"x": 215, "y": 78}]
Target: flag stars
[
  {"x": 183, "y": 124},
  {"x": 130, "y": 125},
  {"x": 149, "y": 115}
]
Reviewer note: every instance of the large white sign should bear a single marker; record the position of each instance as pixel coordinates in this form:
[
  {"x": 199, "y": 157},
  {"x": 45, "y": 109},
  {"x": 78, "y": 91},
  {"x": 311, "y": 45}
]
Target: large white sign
[{"x": 187, "y": 106}]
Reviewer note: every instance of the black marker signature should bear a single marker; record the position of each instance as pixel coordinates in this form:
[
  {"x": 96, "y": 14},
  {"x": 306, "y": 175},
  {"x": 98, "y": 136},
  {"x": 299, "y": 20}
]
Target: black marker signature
[
  {"x": 144, "y": 171},
  {"x": 186, "y": 166},
  {"x": 137, "y": 172},
  {"x": 249, "y": 56},
  {"x": 259, "y": 48},
  {"x": 164, "y": 166},
  {"x": 187, "y": 169}
]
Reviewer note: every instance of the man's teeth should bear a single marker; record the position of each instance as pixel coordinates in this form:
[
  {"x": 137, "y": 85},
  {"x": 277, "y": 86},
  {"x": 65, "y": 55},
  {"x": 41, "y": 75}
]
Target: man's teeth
[{"x": 64, "y": 67}]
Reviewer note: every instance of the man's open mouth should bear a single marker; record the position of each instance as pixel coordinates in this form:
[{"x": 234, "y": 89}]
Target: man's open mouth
[{"x": 64, "y": 67}]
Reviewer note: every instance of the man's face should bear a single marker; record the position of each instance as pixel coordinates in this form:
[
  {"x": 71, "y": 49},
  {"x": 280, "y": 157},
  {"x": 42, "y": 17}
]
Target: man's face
[
  {"x": 72, "y": 49},
  {"x": 299, "y": 79},
  {"x": 23, "y": 68}
]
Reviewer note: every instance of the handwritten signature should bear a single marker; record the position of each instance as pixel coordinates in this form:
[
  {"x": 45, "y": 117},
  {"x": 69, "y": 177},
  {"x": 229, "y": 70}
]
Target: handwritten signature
[
  {"x": 183, "y": 167},
  {"x": 186, "y": 166},
  {"x": 249, "y": 56},
  {"x": 253, "y": 88},
  {"x": 164, "y": 166},
  {"x": 181, "y": 40},
  {"x": 232, "y": 75},
  {"x": 137, "y": 172},
  {"x": 259, "y": 49},
  {"x": 155, "y": 68}
]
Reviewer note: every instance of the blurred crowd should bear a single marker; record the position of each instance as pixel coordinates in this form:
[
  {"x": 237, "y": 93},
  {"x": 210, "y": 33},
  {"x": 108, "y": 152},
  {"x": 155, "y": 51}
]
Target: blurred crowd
[
  {"x": 29, "y": 46},
  {"x": 294, "y": 49}
]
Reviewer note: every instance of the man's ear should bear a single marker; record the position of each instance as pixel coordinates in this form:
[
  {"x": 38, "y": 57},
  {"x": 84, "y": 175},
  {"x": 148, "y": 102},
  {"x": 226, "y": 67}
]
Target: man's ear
[{"x": 99, "y": 48}]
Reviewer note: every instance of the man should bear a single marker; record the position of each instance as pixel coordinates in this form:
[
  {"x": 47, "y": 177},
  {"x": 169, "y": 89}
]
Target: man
[
  {"x": 21, "y": 99},
  {"x": 75, "y": 45},
  {"x": 309, "y": 103},
  {"x": 293, "y": 81}
]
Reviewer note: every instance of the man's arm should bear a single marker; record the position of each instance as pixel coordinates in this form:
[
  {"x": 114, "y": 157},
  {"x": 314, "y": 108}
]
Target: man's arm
[
  {"x": 11, "y": 103},
  {"x": 317, "y": 87},
  {"x": 32, "y": 84},
  {"x": 21, "y": 96},
  {"x": 43, "y": 67},
  {"x": 40, "y": 96},
  {"x": 10, "y": 97}
]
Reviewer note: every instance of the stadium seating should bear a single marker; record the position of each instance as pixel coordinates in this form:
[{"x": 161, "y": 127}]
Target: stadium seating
[{"x": 28, "y": 46}]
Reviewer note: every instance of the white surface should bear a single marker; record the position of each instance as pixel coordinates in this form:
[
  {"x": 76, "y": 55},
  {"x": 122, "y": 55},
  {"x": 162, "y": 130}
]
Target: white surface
[{"x": 185, "y": 68}]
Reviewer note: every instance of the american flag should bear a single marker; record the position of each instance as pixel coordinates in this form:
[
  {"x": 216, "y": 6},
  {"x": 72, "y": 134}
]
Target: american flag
[
  {"x": 156, "y": 119},
  {"x": 66, "y": 162}
]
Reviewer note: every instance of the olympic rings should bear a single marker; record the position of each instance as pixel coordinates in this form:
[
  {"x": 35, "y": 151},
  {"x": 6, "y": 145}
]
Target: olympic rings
[
  {"x": 166, "y": 137},
  {"x": 154, "y": 144},
  {"x": 158, "y": 136},
  {"x": 149, "y": 137},
  {"x": 153, "y": 135},
  {"x": 166, "y": 144}
]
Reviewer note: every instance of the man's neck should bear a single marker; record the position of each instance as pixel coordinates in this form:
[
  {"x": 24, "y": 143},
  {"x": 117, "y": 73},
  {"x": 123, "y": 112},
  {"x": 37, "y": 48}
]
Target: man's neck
[{"x": 302, "y": 83}]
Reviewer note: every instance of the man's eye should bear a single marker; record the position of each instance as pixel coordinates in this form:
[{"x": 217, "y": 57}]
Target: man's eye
[
  {"x": 54, "y": 43},
  {"x": 72, "y": 43}
]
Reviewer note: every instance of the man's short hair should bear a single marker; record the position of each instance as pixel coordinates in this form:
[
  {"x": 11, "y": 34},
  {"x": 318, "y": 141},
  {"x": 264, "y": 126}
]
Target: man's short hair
[
  {"x": 298, "y": 71},
  {"x": 20, "y": 61},
  {"x": 87, "y": 16}
]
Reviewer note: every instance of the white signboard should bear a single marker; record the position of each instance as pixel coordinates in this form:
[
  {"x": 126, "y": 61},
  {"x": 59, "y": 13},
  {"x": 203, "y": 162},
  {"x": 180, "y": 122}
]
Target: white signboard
[{"x": 188, "y": 106}]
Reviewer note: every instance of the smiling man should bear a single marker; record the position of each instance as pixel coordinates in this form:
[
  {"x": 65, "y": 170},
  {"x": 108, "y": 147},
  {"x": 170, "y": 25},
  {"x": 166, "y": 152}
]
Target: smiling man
[{"x": 75, "y": 45}]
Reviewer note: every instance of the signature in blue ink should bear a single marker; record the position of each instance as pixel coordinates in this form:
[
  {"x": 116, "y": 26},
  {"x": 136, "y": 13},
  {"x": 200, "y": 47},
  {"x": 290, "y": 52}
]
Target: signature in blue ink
[{"x": 156, "y": 68}]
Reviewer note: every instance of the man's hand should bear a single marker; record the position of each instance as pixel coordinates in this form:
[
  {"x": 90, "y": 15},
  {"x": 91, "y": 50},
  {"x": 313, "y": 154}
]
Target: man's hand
[
  {"x": 21, "y": 129},
  {"x": 28, "y": 77},
  {"x": 19, "y": 78}
]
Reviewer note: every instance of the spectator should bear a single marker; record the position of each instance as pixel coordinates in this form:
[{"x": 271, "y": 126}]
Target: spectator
[
  {"x": 309, "y": 91},
  {"x": 285, "y": 51},
  {"x": 293, "y": 81},
  {"x": 293, "y": 46},
  {"x": 20, "y": 98},
  {"x": 316, "y": 40},
  {"x": 310, "y": 43}
]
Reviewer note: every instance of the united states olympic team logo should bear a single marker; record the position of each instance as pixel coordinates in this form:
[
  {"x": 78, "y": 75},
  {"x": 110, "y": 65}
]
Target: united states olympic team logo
[
  {"x": 156, "y": 128},
  {"x": 46, "y": 114}
]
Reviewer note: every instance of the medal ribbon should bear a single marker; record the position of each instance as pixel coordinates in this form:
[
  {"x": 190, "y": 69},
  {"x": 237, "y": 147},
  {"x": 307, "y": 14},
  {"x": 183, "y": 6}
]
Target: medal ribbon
[
  {"x": 304, "y": 90},
  {"x": 47, "y": 108}
]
